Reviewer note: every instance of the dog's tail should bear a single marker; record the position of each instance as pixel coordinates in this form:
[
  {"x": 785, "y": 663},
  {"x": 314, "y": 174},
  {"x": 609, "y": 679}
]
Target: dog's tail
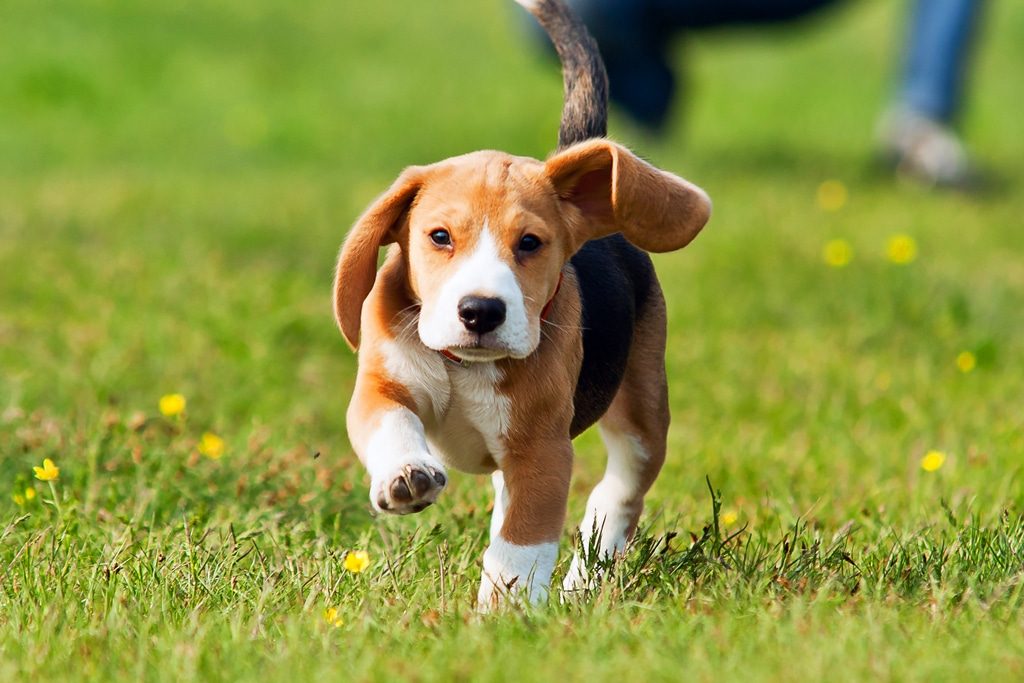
[{"x": 585, "y": 111}]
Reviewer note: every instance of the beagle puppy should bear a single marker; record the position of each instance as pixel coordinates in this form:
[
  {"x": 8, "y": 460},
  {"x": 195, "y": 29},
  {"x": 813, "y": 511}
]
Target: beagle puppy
[{"x": 515, "y": 308}]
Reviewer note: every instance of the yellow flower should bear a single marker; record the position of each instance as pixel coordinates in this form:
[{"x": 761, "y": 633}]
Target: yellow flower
[
  {"x": 901, "y": 249},
  {"x": 932, "y": 460},
  {"x": 332, "y": 617},
  {"x": 837, "y": 253},
  {"x": 832, "y": 195},
  {"x": 729, "y": 517},
  {"x": 966, "y": 361},
  {"x": 18, "y": 499},
  {"x": 48, "y": 472},
  {"x": 356, "y": 561},
  {"x": 172, "y": 404},
  {"x": 211, "y": 445},
  {"x": 30, "y": 493}
]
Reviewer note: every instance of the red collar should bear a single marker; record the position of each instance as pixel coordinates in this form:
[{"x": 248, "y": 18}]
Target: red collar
[
  {"x": 547, "y": 307},
  {"x": 543, "y": 318}
]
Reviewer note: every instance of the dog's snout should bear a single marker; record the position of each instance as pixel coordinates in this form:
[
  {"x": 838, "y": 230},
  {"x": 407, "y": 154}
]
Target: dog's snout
[{"x": 481, "y": 314}]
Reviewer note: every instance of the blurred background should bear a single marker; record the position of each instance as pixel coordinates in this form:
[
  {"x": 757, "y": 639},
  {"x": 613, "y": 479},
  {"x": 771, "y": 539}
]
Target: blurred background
[{"x": 176, "y": 178}]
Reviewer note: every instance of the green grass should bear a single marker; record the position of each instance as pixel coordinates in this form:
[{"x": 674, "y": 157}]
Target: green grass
[{"x": 175, "y": 179}]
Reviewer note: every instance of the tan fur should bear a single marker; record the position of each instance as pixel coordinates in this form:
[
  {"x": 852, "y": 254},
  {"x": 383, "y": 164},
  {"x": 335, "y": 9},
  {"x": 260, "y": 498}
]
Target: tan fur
[
  {"x": 357, "y": 263},
  {"x": 376, "y": 391},
  {"x": 614, "y": 190},
  {"x": 590, "y": 190},
  {"x": 508, "y": 195},
  {"x": 456, "y": 367},
  {"x": 587, "y": 191},
  {"x": 538, "y": 464}
]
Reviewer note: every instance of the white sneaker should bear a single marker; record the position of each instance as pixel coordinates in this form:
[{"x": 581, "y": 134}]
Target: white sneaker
[{"x": 924, "y": 149}]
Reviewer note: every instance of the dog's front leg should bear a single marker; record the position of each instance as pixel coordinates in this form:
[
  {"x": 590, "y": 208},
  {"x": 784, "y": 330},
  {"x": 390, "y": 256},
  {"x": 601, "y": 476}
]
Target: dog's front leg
[
  {"x": 531, "y": 493},
  {"x": 388, "y": 437}
]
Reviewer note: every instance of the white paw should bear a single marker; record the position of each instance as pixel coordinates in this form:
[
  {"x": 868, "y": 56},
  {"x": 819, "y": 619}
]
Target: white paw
[
  {"x": 514, "y": 573},
  {"x": 409, "y": 486},
  {"x": 578, "y": 579},
  {"x": 599, "y": 545}
]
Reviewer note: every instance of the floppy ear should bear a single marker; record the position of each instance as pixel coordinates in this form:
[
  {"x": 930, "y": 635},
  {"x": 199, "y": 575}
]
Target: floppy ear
[
  {"x": 357, "y": 263},
  {"x": 616, "y": 191}
]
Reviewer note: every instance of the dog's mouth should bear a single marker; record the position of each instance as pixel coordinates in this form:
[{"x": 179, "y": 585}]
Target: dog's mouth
[
  {"x": 475, "y": 348},
  {"x": 478, "y": 353},
  {"x": 480, "y": 349}
]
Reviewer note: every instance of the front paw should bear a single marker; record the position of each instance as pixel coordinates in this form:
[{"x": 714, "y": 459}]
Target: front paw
[
  {"x": 411, "y": 487},
  {"x": 578, "y": 579},
  {"x": 514, "y": 572}
]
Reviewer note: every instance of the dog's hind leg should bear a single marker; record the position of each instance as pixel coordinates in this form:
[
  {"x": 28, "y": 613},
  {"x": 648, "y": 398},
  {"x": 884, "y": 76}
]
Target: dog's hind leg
[{"x": 634, "y": 430}]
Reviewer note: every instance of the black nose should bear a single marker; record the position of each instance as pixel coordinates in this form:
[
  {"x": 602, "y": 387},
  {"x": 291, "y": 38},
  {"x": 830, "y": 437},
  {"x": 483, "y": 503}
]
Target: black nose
[{"x": 481, "y": 314}]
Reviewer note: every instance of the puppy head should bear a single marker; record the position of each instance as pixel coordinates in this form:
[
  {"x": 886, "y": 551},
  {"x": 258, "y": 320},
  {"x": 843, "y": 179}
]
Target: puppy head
[{"x": 485, "y": 237}]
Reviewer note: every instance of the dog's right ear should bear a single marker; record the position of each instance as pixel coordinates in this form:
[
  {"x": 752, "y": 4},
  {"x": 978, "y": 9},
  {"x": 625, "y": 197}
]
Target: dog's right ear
[{"x": 357, "y": 264}]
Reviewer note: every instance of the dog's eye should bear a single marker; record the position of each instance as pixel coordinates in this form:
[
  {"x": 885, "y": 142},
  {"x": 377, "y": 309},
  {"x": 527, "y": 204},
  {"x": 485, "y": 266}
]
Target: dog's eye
[
  {"x": 441, "y": 237},
  {"x": 529, "y": 243}
]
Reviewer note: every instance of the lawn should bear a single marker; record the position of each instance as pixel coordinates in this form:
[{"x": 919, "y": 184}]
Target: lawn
[{"x": 175, "y": 179}]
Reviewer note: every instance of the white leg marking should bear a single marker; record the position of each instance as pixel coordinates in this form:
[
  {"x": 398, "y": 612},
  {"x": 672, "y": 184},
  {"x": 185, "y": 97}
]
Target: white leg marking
[
  {"x": 512, "y": 570},
  {"x": 397, "y": 449},
  {"x": 609, "y": 508},
  {"x": 500, "y": 503}
]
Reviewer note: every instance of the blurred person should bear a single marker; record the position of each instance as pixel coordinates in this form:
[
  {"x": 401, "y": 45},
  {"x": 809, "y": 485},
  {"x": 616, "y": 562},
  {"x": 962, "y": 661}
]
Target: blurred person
[{"x": 915, "y": 134}]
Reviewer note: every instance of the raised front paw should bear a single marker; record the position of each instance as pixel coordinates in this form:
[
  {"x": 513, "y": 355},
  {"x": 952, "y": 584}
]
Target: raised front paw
[{"x": 410, "y": 488}]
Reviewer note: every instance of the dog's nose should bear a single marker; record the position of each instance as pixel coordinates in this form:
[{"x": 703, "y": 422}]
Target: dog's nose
[{"x": 481, "y": 314}]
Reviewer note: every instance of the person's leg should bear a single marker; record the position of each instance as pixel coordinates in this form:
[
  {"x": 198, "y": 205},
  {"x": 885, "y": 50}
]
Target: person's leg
[
  {"x": 916, "y": 133},
  {"x": 938, "y": 48}
]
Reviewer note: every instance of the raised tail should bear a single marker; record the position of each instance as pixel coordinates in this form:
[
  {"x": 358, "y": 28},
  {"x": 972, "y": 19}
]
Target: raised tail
[{"x": 585, "y": 109}]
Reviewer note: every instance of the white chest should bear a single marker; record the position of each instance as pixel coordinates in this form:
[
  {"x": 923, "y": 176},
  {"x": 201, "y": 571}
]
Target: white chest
[{"x": 464, "y": 415}]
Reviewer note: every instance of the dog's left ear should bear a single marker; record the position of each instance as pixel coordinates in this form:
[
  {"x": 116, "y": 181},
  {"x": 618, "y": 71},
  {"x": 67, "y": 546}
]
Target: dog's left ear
[
  {"x": 357, "y": 263},
  {"x": 613, "y": 190}
]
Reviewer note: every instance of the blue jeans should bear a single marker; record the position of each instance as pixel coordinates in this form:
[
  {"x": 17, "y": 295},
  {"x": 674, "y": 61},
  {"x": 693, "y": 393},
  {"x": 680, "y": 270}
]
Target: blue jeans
[{"x": 939, "y": 43}]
